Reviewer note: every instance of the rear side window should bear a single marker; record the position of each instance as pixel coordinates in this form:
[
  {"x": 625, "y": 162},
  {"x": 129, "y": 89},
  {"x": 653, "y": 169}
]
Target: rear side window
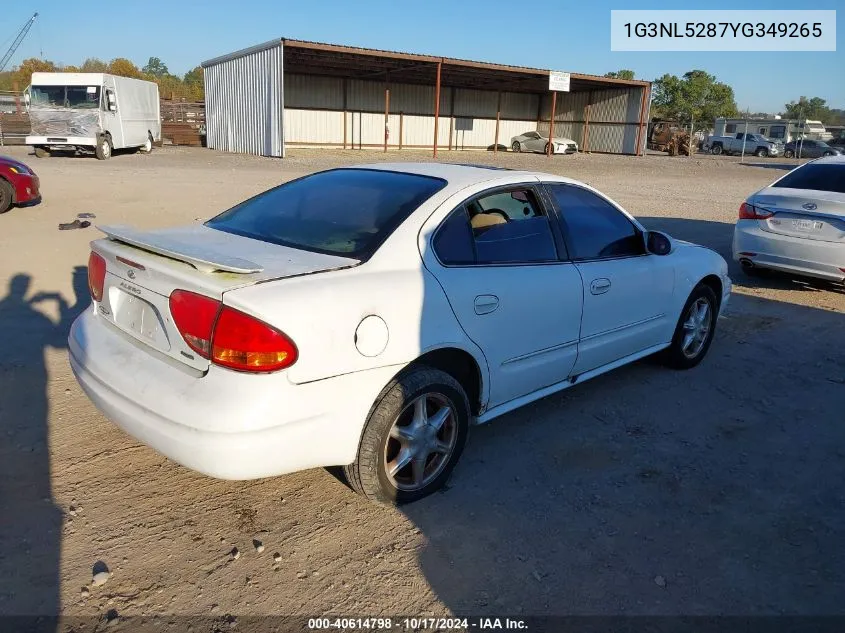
[
  {"x": 346, "y": 212},
  {"x": 816, "y": 177},
  {"x": 596, "y": 228},
  {"x": 505, "y": 227},
  {"x": 453, "y": 241}
]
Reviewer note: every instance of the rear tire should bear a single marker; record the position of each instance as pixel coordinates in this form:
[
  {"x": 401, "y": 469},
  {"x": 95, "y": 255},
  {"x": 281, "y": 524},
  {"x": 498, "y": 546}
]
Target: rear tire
[
  {"x": 694, "y": 331},
  {"x": 402, "y": 427},
  {"x": 7, "y": 194},
  {"x": 717, "y": 149},
  {"x": 42, "y": 152},
  {"x": 104, "y": 147}
]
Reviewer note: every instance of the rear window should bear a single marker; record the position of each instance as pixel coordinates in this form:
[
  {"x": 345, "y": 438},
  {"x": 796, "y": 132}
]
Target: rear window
[
  {"x": 346, "y": 212},
  {"x": 816, "y": 176}
]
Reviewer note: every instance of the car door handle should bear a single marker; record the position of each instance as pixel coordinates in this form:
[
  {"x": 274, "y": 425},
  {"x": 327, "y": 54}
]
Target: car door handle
[
  {"x": 600, "y": 286},
  {"x": 485, "y": 304}
]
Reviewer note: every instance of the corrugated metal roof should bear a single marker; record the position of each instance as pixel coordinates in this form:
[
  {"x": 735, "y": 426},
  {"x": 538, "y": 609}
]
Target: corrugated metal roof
[{"x": 454, "y": 61}]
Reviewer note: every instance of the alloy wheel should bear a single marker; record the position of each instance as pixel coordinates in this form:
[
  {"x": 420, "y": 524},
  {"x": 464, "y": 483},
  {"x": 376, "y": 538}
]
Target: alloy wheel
[
  {"x": 420, "y": 442},
  {"x": 697, "y": 326}
]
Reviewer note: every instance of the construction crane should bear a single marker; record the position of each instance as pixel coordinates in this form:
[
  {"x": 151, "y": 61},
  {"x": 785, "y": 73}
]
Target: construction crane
[{"x": 24, "y": 30}]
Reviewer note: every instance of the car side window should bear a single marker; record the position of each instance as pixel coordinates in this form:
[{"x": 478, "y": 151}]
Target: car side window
[
  {"x": 596, "y": 228},
  {"x": 505, "y": 227},
  {"x": 453, "y": 242}
]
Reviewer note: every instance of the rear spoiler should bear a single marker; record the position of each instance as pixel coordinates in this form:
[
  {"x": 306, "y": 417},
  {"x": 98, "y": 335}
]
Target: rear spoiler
[{"x": 200, "y": 257}]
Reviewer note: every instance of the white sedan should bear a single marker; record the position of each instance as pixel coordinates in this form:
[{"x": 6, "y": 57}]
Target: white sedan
[
  {"x": 367, "y": 316},
  {"x": 536, "y": 142},
  {"x": 797, "y": 224}
]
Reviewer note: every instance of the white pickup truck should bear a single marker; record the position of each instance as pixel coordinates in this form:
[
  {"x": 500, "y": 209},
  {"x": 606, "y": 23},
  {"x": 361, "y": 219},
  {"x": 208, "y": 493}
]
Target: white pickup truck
[{"x": 754, "y": 144}]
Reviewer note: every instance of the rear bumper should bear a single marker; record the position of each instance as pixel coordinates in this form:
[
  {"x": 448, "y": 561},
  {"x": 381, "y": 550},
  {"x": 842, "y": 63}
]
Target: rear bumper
[
  {"x": 224, "y": 424},
  {"x": 812, "y": 258}
]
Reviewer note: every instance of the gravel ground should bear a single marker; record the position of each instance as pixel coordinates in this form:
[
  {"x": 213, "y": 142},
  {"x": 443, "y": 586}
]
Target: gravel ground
[{"x": 645, "y": 491}]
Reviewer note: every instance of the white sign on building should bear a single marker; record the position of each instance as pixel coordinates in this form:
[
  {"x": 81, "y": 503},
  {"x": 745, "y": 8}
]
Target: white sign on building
[{"x": 558, "y": 82}]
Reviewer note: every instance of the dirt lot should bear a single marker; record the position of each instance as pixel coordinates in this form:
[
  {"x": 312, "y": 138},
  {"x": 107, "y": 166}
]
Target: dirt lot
[{"x": 646, "y": 491}]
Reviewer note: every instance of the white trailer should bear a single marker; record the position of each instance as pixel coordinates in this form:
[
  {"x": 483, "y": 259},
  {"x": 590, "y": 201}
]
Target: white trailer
[
  {"x": 94, "y": 112},
  {"x": 776, "y": 130}
]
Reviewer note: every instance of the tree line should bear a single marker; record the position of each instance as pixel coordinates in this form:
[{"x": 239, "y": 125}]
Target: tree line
[
  {"x": 698, "y": 98},
  {"x": 188, "y": 87}
]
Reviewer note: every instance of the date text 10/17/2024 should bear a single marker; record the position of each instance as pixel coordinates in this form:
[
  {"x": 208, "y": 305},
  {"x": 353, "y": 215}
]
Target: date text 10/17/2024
[{"x": 416, "y": 624}]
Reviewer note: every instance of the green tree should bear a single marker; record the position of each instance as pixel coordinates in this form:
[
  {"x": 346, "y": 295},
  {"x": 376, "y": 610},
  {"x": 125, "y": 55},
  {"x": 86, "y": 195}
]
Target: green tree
[
  {"x": 94, "y": 65},
  {"x": 156, "y": 68},
  {"x": 621, "y": 74},
  {"x": 814, "y": 109},
  {"x": 193, "y": 84},
  {"x": 697, "y": 96}
]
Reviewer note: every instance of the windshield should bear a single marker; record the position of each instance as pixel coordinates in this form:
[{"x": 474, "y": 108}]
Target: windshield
[
  {"x": 346, "y": 212},
  {"x": 816, "y": 176},
  {"x": 76, "y": 97}
]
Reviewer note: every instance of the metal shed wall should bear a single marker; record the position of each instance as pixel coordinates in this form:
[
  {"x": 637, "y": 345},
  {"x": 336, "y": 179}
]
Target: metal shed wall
[
  {"x": 599, "y": 120},
  {"x": 244, "y": 101},
  {"x": 315, "y": 109}
]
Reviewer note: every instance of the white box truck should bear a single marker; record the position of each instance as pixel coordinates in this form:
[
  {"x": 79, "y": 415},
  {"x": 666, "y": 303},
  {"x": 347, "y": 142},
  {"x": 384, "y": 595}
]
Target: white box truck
[{"x": 92, "y": 112}]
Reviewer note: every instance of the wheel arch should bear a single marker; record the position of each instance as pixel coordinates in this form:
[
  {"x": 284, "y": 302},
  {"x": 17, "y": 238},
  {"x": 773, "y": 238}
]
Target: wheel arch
[
  {"x": 715, "y": 284},
  {"x": 463, "y": 367}
]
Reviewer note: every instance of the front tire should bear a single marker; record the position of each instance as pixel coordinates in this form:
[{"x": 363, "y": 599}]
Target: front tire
[
  {"x": 104, "y": 148},
  {"x": 516, "y": 147},
  {"x": 6, "y": 195},
  {"x": 761, "y": 153},
  {"x": 788, "y": 154},
  {"x": 413, "y": 438},
  {"x": 42, "y": 152},
  {"x": 695, "y": 329}
]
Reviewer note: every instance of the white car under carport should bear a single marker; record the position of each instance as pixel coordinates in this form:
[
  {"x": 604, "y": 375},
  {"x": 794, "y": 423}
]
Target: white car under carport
[{"x": 536, "y": 142}]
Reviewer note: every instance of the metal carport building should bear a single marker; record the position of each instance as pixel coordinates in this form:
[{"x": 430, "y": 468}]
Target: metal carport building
[{"x": 293, "y": 93}]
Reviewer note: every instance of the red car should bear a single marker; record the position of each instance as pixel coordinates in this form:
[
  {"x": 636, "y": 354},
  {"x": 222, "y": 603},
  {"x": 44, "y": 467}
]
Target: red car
[{"x": 18, "y": 184}]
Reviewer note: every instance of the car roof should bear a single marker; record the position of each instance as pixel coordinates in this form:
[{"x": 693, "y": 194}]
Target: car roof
[{"x": 457, "y": 173}]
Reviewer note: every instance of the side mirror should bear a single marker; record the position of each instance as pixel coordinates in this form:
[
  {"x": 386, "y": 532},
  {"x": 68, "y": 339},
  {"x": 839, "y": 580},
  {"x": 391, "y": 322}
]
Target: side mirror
[
  {"x": 112, "y": 107},
  {"x": 658, "y": 243},
  {"x": 26, "y": 98}
]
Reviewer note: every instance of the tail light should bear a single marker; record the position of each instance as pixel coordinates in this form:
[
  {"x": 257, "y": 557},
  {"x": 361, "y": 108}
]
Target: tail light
[
  {"x": 750, "y": 212},
  {"x": 96, "y": 275},
  {"x": 229, "y": 337}
]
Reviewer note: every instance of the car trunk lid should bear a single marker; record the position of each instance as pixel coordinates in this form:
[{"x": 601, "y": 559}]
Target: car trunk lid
[
  {"x": 804, "y": 213},
  {"x": 144, "y": 267}
]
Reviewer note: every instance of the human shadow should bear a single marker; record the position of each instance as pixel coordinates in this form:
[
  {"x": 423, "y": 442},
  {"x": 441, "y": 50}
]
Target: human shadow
[{"x": 30, "y": 520}]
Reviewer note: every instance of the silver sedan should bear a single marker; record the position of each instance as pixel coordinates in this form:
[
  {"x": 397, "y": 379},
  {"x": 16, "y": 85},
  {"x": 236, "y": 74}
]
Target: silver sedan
[{"x": 797, "y": 224}]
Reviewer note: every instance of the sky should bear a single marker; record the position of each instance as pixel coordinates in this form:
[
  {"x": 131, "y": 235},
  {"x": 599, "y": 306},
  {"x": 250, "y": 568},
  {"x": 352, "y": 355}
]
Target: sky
[{"x": 559, "y": 35}]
